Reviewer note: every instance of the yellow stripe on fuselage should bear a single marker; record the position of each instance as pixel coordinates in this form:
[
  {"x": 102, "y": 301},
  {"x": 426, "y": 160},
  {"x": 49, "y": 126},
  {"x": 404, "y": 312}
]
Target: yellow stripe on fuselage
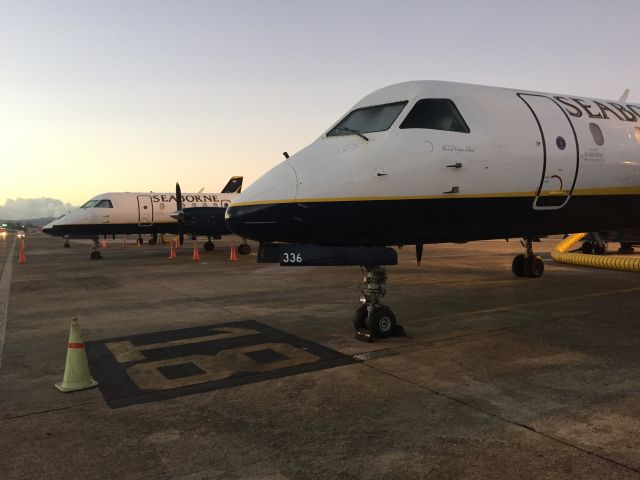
[{"x": 576, "y": 192}]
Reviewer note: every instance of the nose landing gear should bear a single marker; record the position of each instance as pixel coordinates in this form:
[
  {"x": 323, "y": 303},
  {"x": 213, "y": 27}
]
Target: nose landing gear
[
  {"x": 373, "y": 320},
  {"x": 529, "y": 264}
]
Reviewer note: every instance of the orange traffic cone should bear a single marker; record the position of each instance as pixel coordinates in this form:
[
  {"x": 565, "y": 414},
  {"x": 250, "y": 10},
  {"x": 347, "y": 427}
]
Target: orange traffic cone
[
  {"x": 76, "y": 369},
  {"x": 172, "y": 252},
  {"x": 196, "y": 252},
  {"x": 138, "y": 242},
  {"x": 234, "y": 255},
  {"x": 23, "y": 257},
  {"x": 104, "y": 244}
]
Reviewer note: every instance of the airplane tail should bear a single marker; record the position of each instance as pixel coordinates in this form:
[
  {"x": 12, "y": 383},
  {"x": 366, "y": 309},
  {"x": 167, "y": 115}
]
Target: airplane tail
[{"x": 233, "y": 186}]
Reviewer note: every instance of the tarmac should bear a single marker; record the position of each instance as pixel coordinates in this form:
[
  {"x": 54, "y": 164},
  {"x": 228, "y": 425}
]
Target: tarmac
[{"x": 215, "y": 369}]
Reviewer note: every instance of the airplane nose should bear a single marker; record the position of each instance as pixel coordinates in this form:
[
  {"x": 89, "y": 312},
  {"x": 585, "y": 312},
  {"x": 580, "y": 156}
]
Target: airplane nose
[{"x": 263, "y": 211}]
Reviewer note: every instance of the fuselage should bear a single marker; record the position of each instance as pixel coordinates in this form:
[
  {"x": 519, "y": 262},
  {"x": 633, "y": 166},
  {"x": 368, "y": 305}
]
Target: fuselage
[
  {"x": 428, "y": 161},
  {"x": 135, "y": 213}
]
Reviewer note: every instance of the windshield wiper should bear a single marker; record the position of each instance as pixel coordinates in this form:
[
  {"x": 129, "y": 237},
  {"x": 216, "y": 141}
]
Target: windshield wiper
[{"x": 356, "y": 132}]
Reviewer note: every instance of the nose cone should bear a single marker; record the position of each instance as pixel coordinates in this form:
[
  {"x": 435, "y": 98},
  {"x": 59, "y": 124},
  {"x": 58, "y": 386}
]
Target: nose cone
[{"x": 262, "y": 211}]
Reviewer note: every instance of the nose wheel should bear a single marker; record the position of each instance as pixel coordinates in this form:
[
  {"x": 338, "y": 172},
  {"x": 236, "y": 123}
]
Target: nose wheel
[
  {"x": 372, "y": 320},
  {"x": 527, "y": 264}
]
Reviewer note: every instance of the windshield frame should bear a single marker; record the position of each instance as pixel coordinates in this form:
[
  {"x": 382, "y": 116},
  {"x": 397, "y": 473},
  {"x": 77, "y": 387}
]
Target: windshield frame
[
  {"x": 340, "y": 129},
  {"x": 90, "y": 204}
]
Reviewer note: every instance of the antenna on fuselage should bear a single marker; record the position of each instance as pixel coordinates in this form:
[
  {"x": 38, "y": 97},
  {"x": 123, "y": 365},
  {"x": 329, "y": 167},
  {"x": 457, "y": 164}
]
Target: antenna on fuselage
[
  {"x": 286, "y": 155},
  {"x": 625, "y": 96}
]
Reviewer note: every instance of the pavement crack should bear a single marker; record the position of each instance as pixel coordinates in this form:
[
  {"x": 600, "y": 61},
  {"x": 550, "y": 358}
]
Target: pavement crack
[
  {"x": 506, "y": 419},
  {"x": 50, "y": 410}
]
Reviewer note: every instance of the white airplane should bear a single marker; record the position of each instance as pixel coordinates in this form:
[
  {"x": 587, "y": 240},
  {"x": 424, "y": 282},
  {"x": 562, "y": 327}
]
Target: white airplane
[
  {"x": 429, "y": 161},
  {"x": 152, "y": 213}
]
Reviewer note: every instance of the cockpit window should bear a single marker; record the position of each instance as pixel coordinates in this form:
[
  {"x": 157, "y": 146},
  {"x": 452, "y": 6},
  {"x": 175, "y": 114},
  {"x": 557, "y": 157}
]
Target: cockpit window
[
  {"x": 368, "y": 119},
  {"x": 435, "y": 114},
  {"x": 89, "y": 204},
  {"x": 104, "y": 204}
]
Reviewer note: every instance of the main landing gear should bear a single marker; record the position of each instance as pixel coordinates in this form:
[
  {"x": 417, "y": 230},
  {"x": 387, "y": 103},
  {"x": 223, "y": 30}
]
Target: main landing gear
[
  {"x": 154, "y": 239},
  {"x": 529, "y": 264},
  {"x": 244, "y": 248},
  {"x": 373, "y": 320}
]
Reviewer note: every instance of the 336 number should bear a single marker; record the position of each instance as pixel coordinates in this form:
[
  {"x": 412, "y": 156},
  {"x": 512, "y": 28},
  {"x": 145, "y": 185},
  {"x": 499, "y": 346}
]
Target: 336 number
[{"x": 291, "y": 257}]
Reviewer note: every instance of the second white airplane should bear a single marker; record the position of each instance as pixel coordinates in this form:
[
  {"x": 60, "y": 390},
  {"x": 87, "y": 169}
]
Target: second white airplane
[{"x": 139, "y": 213}]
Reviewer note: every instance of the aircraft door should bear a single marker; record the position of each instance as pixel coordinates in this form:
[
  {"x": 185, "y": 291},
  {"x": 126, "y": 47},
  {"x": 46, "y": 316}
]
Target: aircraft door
[
  {"x": 145, "y": 211},
  {"x": 559, "y": 152}
]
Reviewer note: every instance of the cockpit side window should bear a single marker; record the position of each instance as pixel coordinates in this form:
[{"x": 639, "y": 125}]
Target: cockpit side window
[
  {"x": 90, "y": 204},
  {"x": 435, "y": 114},
  {"x": 368, "y": 119},
  {"x": 103, "y": 204}
]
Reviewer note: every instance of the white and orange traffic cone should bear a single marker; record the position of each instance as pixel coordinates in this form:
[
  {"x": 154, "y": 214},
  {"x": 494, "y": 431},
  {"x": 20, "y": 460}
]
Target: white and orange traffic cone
[
  {"x": 76, "y": 369},
  {"x": 23, "y": 257},
  {"x": 234, "y": 255},
  {"x": 196, "y": 252},
  {"x": 172, "y": 251}
]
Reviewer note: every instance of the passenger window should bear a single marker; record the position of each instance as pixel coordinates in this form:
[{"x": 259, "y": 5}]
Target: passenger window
[
  {"x": 435, "y": 114},
  {"x": 103, "y": 204},
  {"x": 637, "y": 129},
  {"x": 368, "y": 119},
  {"x": 596, "y": 133}
]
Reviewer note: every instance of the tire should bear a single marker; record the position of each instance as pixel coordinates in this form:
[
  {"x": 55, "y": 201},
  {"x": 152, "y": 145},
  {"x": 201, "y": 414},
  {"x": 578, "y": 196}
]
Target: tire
[
  {"x": 534, "y": 266},
  {"x": 382, "y": 322},
  {"x": 599, "y": 249},
  {"x": 626, "y": 248},
  {"x": 208, "y": 246},
  {"x": 587, "y": 248},
  {"x": 517, "y": 266},
  {"x": 360, "y": 318},
  {"x": 67, "y": 245},
  {"x": 244, "y": 249}
]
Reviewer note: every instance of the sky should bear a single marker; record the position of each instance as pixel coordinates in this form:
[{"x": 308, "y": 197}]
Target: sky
[{"x": 99, "y": 96}]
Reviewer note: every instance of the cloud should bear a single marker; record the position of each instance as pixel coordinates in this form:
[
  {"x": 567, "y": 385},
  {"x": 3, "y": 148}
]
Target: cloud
[{"x": 27, "y": 208}]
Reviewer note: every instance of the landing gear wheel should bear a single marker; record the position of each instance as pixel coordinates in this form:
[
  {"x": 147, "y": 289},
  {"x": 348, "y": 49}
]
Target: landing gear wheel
[
  {"x": 587, "y": 248},
  {"x": 534, "y": 266},
  {"x": 208, "y": 246},
  {"x": 517, "y": 266},
  {"x": 625, "y": 248},
  {"x": 67, "y": 245},
  {"x": 244, "y": 249},
  {"x": 360, "y": 318},
  {"x": 151, "y": 242},
  {"x": 599, "y": 249},
  {"x": 381, "y": 322},
  {"x": 95, "y": 255}
]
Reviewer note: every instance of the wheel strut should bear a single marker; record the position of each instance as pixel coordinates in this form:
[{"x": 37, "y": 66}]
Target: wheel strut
[{"x": 373, "y": 319}]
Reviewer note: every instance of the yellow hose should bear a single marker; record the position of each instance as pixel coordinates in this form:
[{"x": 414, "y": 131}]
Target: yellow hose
[{"x": 610, "y": 262}]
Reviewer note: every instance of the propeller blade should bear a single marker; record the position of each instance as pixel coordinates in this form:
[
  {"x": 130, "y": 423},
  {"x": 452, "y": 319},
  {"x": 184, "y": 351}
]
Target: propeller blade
[
  {"x": 178, "y": 197},
  {"x": 180, "y": 214},
  {"x": 419, "y": 249}
]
